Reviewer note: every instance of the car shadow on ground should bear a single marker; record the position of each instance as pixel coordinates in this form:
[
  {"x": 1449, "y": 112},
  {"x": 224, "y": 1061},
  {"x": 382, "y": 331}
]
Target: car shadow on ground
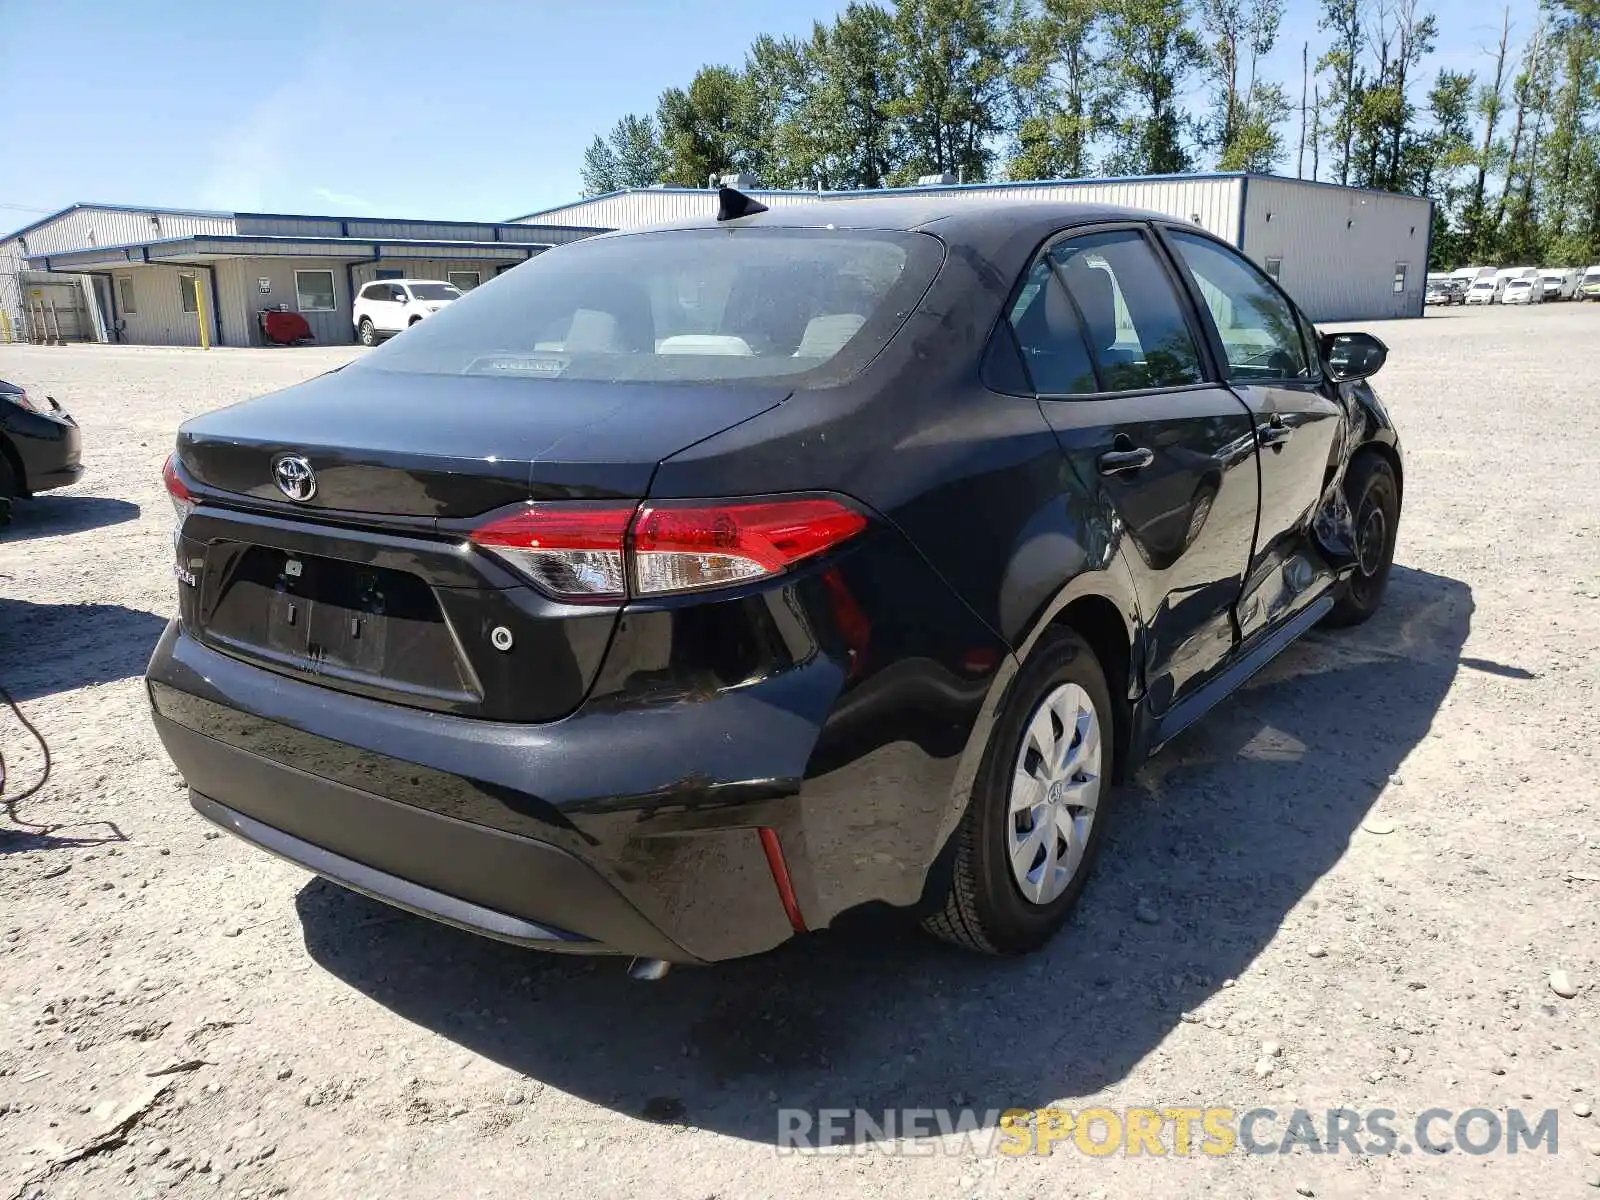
[
  {"x": 1221, "y": 834},
  {"x": 49, "y": 516},
  {"x": 51, "y": 648}
]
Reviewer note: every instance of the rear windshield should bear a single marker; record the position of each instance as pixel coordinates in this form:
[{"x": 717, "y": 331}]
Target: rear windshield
[
  {"x": 434, "y": 291},
  {"x": 805, "y": 306}
]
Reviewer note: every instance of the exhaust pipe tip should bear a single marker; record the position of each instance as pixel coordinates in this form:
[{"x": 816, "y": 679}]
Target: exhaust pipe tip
[{"x": 648, "y": 969}]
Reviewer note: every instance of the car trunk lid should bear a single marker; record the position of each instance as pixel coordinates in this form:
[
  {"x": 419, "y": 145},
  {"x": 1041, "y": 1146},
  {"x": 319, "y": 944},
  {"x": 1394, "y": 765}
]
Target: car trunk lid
[{"x": 369, "y": 583}]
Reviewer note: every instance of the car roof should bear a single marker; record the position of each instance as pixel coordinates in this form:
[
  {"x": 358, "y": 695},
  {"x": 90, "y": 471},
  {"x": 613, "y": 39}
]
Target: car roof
[
  {"x": 446, "y": 282},
  {"x": 954, "y": 218}
]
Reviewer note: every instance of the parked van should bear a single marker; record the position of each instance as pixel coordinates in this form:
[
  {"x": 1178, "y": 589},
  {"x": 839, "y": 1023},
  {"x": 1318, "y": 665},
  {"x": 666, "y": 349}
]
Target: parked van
[
  {"x": 1589, "y": 285},
  {"x": 1559, "y": 282}
]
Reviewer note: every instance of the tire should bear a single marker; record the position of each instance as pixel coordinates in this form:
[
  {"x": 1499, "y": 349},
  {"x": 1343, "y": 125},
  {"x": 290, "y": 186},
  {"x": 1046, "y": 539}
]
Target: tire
[
  {"x": 1373, "y": 493},
  {"x": 366, "y": 332},
  {"x": 413, "y": 321},
  {"x": 8, "y": 488},
  {"x": 987, "y": 909}
]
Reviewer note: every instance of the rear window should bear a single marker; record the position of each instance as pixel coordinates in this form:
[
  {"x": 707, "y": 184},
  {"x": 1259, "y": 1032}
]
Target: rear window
[
  {"x": 434, "y": 291},
  {"x": 805, "y": 306}
]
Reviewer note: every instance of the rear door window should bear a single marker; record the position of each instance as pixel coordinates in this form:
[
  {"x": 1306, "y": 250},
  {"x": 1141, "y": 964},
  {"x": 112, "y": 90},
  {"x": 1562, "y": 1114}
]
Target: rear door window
[{"x": 807, "y": 306}]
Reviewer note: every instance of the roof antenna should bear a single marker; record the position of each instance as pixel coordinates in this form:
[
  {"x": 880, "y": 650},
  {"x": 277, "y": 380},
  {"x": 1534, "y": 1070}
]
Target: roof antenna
[{"x": 733, "y": 204}]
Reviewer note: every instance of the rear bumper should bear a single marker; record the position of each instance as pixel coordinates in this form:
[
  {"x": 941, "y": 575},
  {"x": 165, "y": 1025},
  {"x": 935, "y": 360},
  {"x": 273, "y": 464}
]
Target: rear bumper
[
  {"x": 629, "y": 828},
  {"x": 464, "y": 875},
  {"x": 50, "y": 451}
]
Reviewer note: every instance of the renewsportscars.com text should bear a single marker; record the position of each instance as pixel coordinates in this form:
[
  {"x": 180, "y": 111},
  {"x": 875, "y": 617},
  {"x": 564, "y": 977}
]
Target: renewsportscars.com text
[{"x": 1173, "y": 1130}]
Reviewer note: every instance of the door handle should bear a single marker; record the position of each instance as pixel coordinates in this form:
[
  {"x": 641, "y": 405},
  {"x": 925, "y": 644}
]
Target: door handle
[
  {"x": 1273, "y": 432},
  {"x": 1116, "y": 462}
]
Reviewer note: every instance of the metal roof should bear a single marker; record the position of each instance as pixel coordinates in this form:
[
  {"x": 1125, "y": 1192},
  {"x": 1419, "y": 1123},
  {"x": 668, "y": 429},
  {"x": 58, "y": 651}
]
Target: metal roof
[
  {"x": 96, "y": 206},
  {"x": 934, "y": 189},
  {"x": 172, "y": 250}
]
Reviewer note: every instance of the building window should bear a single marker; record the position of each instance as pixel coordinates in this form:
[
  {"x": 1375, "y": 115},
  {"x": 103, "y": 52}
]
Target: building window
[
  {"x": 191, "y": 303},
  {"x": 1275, "y": 269},
  {"x": 1399, "y": 278},
  {"x": 313, "y": 291},
  {"x": 465, "y": 281},
  {"x": 387, "y": 274},
  {"x": 125, "y": 296}
]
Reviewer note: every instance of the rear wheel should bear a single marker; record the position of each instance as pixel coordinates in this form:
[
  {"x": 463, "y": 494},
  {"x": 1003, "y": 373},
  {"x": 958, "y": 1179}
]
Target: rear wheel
[
  {"x": 1373, "y": 493},
  {"x": 412, "y": 322},
  {"x": 367, "y": 332},
  {"x": 1037, "y": 815}
]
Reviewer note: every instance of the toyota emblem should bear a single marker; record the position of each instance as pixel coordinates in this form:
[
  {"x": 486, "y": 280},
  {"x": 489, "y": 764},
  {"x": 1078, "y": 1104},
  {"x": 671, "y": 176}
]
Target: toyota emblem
[{"x": 294, "y": 477}]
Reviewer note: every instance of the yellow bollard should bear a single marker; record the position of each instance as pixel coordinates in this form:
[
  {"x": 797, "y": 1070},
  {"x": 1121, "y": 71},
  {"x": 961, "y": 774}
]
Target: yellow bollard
[
  {"x": 200, "y": 311},
  {"x": 5, "y": 328}
]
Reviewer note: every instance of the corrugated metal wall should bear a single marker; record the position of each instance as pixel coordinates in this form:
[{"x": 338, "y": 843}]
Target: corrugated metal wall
[
  {"x": 1211, "y": 202},
  {"x": 160, "y": 319},
  {"x": 241, "y": 295},
  {"x": 433, "y": 268},
  {"x": 1340, "y": 247},
  {"x": 85, "y": 227}
]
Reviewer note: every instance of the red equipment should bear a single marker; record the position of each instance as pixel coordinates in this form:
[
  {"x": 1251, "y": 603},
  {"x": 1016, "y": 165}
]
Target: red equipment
[{"x": 280, "y": 327}]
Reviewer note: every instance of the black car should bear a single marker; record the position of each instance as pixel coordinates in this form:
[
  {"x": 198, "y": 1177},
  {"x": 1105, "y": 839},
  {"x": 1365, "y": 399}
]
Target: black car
[
  {"x": 683, "y": 590},
  {"x": 40, "y": 446}
]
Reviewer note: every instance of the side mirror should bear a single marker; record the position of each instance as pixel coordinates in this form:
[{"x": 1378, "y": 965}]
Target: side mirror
[{"x": 1352, "y": 356}]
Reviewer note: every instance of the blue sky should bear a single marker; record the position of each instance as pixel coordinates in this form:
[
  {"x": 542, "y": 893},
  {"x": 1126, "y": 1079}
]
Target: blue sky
[{"x": 473, "y": 109}]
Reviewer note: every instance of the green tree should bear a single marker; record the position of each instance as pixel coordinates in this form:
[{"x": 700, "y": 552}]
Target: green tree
[
  {"x": 599, "y": 173},
  {"x": 951, "y": 101},
  {"x": 1438, "y": 158},
  {"x": 1479, "y": 231},
  {"x": 1059, "y": 88},
  {"x": 1570, "y": 159},
  {"x": 1154, "y": 54},
  {"x": 844, "y": 133},
  {"x": 1245, "y": 111},
  {"x": 708, "y": 128},
  {"x": 1343, "y": 19}
]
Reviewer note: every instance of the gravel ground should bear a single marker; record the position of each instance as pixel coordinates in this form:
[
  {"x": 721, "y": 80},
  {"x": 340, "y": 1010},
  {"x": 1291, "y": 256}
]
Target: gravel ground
[{"x": 1348, "y": 888}]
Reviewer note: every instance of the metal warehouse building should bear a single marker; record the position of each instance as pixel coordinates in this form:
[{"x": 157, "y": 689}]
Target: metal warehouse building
[
  {"x": 104, "y": 272},
  {"x": 101, "y": 272},
  {"x": 1346, "y": 254}
]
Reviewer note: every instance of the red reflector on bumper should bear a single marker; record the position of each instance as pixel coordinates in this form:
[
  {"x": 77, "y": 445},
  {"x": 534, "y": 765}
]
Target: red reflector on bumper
[{"x": 780, "y": 876}]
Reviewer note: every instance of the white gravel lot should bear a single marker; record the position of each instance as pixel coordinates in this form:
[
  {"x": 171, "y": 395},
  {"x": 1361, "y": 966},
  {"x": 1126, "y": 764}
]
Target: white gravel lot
[{"x": 1374, "y": 858}]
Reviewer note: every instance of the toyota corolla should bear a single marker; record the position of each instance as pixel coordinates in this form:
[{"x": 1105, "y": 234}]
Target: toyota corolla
[{"x": 683, "y": 590}]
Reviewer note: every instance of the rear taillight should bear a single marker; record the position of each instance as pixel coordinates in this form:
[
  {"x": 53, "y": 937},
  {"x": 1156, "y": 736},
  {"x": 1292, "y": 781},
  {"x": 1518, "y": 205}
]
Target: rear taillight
[
  {"x": 574, "y": 551},
  {"x": 606, "y": 551},
  {"x": 684, "y": 547},
  {"x": 183, "y": 502}
]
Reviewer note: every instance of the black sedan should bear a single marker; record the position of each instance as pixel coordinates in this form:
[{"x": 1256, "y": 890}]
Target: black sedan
[
  {"x": 683, "y": 590},
  {"x": 40, "y": 446}
]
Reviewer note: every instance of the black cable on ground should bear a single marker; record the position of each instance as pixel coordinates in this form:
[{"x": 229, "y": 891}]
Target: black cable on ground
[{"x": 10, "y": 802}]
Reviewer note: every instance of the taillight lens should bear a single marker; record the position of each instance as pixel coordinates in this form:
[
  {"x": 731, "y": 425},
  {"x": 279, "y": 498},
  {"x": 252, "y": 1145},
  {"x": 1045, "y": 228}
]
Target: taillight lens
[
  {"x": 183, "y": 502},
  {"x": 23, "y": 400},
  {"x": 689, "y": 546},
  {"x": 605, "y": 551},
  {"x": 572, "y": 551}
]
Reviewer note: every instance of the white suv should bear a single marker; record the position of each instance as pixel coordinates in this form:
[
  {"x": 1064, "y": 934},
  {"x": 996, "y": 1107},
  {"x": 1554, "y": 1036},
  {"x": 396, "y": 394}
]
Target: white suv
[{"x": 390, "y": 305}]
